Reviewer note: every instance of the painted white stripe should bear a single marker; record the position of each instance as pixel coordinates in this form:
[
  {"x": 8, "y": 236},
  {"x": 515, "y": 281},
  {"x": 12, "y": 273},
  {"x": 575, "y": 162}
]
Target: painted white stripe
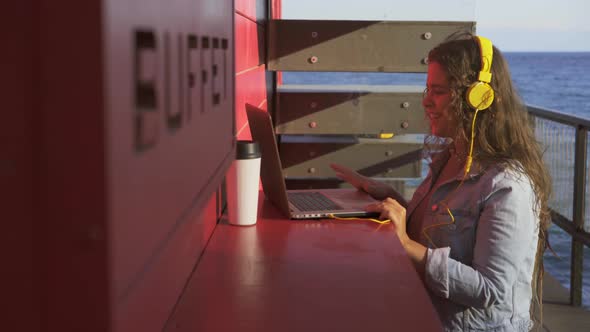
[{"x": 248, "y": 70}]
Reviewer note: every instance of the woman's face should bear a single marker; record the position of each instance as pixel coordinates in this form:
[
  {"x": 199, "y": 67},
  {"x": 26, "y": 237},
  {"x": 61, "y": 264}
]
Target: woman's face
[{"x": 436, "y": 102}]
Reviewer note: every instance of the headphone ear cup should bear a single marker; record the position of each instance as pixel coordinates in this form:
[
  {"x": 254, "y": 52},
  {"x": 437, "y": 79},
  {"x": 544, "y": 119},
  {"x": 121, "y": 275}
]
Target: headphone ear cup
[{"x": 480, "y": 95}]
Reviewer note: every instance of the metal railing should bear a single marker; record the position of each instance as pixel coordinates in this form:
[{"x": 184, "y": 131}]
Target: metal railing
[{"x": 566, "y": 138}]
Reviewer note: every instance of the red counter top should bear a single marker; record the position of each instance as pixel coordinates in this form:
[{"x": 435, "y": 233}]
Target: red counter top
[{"x": 282, "y": 275}]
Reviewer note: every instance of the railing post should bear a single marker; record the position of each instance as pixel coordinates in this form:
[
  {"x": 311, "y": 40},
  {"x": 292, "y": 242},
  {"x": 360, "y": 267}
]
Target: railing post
[{"x": 579, "y": 212}]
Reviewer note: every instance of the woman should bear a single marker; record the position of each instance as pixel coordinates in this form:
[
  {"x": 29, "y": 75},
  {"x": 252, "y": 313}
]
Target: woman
[{"x": 476, "y": 227}]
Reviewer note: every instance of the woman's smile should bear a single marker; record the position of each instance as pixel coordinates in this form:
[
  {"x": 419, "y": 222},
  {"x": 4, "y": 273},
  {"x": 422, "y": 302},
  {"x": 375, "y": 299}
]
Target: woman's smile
[{"x": 433, "y": 115}]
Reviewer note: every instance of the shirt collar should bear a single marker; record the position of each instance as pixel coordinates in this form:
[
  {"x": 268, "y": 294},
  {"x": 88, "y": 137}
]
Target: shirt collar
[{"x": 438, "y": 160}]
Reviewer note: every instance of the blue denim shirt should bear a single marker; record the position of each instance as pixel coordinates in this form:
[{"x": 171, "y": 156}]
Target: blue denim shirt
[{"x": 479, "y": 269}]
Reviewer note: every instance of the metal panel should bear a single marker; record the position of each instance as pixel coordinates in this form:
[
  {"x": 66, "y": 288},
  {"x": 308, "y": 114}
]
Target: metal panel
[
  {"x": 372, "y": 46},
  {"x": 311, "y": 156},
  {"x": 350, "y": 110}
]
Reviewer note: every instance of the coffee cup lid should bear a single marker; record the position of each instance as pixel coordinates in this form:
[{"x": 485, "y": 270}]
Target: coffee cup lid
[{"x": 247, "y": 150}]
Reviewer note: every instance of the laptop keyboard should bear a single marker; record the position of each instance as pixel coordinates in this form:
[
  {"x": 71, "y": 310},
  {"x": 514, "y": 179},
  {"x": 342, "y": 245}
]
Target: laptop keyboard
[{"x": 312, "y": 201}]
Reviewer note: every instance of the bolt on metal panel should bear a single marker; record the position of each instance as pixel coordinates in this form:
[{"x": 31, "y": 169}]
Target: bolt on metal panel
[
  {"x": 355, "y": 110},
  {"x": 311, "y": 156},
  {"x": 364, "y": 46}
]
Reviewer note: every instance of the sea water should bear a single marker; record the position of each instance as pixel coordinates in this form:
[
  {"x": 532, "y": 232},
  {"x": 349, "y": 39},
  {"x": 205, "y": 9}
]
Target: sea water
[{"x": 556, "y": 81}]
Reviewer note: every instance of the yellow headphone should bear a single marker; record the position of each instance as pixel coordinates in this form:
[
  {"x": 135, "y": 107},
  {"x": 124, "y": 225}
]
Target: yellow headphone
[{"x": 480, "y": 94}]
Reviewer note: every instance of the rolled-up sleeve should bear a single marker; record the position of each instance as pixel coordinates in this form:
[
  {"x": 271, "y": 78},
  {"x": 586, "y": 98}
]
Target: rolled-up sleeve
[{"x": 507, "y": 225}]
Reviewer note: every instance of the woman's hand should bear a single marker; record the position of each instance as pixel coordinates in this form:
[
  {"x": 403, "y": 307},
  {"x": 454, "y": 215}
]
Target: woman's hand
[
  {"x": 377, "y": 190},
  {"x": 395, "y": 212},
  {"x": 344, "y": 173}
]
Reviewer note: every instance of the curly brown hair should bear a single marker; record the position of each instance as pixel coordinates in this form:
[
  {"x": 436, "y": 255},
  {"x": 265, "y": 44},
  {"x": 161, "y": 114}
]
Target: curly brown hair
[{"x": 504, "y": 132}]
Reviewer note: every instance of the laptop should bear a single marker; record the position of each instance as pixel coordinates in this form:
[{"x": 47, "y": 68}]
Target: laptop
[{"x": 299, "y": 204}]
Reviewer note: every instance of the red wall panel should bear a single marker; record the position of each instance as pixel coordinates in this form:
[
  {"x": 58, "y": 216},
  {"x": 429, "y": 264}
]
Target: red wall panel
[
  {"x": 250, "y": 89},
  {"x": 109, "y": 232},
  {"x": 251, "y": 77},
  {"x": 276, "y": 9},
  {"x": 250, "y": 43},
  {"x": 277, "y": 14},
  {"x": 102, "y": 233},
  {"x": 16, "y": 168},
  {"x": 69, "y": 126},
  {"x": 156, "y": 194}
]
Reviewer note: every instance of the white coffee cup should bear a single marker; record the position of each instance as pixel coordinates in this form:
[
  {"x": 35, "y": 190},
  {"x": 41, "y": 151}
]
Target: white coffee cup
[{"x": 243, "y": 180}]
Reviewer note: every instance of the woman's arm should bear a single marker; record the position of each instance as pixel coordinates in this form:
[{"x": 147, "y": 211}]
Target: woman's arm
[{"x": 506, "y": 236}]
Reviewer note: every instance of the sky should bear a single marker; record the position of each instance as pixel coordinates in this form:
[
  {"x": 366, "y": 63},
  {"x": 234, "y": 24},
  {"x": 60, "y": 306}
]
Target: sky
[{"x": 513, "y": 25}]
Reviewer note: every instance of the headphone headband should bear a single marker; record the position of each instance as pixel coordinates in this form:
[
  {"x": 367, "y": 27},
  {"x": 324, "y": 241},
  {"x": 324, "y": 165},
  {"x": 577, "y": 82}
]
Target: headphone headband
[{"x": 487, "y": 53}]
